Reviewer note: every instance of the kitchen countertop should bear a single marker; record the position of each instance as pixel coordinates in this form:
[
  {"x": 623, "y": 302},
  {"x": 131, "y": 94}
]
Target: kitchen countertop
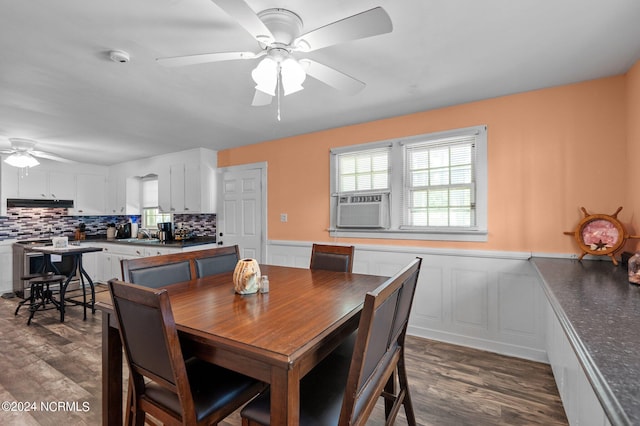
[
  {"x": 197, "y": 241},
  {"x": 600, "y": 313}
]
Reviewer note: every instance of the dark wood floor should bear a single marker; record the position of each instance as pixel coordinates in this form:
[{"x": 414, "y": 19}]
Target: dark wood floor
[{"x": 53, "y": 363}]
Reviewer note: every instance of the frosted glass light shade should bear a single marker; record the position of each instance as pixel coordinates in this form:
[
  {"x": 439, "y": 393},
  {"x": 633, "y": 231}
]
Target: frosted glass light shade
[
  {"x": 292, "y": 75},
  {"x": 266, "y": 76},
  {"x": 21, "y": 159}
]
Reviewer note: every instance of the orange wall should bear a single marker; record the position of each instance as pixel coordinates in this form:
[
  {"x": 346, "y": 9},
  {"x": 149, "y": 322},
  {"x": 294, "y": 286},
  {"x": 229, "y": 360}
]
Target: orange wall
[
  {"x": 633, "y": 151},
  {"x": 550, "y": 152}
]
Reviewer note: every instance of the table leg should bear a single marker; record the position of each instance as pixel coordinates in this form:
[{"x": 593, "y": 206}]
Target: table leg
[
  {"x": 63, "y": 287},
  {"x": 285, "y": 397},
  {"x": 111, "y": 372},
  {"x": 83, "y": 273}
]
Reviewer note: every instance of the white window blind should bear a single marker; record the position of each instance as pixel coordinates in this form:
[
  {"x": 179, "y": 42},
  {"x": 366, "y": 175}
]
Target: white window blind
[
  {"x": 150, "y": 192},
  {"x": 440, "y": 183},
  {"x": 363, "y": 170}
]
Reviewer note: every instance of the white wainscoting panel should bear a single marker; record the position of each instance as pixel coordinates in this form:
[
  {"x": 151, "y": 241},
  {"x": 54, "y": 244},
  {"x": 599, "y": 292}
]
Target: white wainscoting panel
[{"x": 486, "y": 300}]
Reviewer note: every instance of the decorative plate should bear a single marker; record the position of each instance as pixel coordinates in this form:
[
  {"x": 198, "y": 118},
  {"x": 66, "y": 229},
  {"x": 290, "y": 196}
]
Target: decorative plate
[{"x": 600, "y": 235}]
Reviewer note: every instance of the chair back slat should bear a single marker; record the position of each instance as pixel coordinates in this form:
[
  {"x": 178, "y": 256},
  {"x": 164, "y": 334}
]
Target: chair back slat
[
  {"x": 161, "y": 275},
  {"x": 224, "y": 260},
  {"x": 332, "y": 258}
]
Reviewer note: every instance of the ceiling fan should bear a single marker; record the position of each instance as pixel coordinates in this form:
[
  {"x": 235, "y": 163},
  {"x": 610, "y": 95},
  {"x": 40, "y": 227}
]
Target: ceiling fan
[
  {"x": 279, "y": 35},
  {"x": 22, "y": 154}
]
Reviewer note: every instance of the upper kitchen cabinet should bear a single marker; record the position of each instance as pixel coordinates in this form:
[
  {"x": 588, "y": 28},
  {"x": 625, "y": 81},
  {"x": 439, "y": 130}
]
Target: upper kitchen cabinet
[
  {"x": 53, "y": 180},
  {"x": 189, "y": 186},
  {"x": 123, "y": 195},
  {"x": 90, "y": 195},
  {"x": 41, "y": 183}
]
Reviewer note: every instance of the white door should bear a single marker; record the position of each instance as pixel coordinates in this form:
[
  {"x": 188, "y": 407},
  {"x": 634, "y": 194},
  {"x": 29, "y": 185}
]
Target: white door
[{"x": 242, "y": 211}]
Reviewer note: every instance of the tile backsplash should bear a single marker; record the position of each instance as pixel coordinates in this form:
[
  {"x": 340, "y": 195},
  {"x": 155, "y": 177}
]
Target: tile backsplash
[{"x": 23, "y": 223}]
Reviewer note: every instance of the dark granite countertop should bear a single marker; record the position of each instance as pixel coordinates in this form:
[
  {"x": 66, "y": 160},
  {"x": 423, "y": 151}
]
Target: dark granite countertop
[
  {"x": 197, "y": 241},
  {"x": 600, "y": 313}
]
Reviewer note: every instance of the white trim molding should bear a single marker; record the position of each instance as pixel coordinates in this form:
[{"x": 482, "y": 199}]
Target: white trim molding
[{"x": 489, "y": 300}]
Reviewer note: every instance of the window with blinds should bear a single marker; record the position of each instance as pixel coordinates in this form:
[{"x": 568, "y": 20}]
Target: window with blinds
[
  {"x": 151, "y": 214},
  {"x": 440, "y": 183},
  {"x": 366, "y": 170},
  {"x": 431, "y": 186}
]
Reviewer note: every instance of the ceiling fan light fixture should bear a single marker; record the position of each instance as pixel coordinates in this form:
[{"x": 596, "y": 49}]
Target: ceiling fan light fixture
[
  {"x": 21, "y": 159},
  {"x": 265, "y": 76},
  {"x": 292, "y": 75}
]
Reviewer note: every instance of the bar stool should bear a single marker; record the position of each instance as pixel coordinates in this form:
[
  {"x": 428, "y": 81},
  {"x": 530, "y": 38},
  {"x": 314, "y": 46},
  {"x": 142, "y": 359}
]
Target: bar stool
[{"x": 41, "y": 294}]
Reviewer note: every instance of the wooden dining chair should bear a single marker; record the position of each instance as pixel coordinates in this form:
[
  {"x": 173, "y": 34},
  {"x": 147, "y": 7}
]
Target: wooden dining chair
[
  {"x": 171, "y": 389},
  {"x": 332, "y": 258},
  {"x": 343, "y": 390},
  {"x": 216, "y": 261},
  {"x": 157, "y": 271}
]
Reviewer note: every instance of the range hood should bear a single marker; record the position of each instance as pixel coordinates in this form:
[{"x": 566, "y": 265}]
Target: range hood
[{"x": 27, "y": 202}]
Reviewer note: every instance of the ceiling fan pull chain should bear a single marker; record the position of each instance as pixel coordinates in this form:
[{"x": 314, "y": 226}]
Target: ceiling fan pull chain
[{"x": 278, "y": 90}]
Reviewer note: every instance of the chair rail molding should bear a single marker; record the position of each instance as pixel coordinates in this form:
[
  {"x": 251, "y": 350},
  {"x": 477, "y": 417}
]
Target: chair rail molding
[{"x": 490, "y": 300}]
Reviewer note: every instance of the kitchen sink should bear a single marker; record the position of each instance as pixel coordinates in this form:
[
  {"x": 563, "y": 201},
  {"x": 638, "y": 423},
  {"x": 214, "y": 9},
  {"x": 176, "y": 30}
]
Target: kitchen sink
[{"x": 139, "y": 240}]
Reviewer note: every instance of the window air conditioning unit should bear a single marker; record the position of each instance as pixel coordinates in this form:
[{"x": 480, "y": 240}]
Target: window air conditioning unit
[{"x": 363, "y": 211}]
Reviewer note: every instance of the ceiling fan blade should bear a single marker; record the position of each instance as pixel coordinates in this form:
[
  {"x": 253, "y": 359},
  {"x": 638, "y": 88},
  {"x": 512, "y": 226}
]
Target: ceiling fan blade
[
  {"x": 332, "y": 77},
  {"x": 261, "y": 99},
  {"x": 180, "y": 61},
  {"x": 247, "y": 18},
  {"x": 48, "y": 156},
  {"x": 370, "y": 23}
]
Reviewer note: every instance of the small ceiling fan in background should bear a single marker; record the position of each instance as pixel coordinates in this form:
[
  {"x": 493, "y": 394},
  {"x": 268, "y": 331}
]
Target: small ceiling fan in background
[
  {"x": 279, "y": 35},
  {"x": 22, "y": 154}
]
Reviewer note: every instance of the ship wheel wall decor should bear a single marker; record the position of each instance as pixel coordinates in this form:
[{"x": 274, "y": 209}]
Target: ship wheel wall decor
[{"x": 600, "y": 235}]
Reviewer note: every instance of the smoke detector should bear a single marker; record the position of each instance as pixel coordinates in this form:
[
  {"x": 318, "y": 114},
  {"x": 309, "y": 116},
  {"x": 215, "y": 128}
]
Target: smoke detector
[{"x": 119, "y": 56}]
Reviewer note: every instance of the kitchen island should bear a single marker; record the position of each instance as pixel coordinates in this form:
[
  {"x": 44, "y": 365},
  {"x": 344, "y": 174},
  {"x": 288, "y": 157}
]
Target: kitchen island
[{"x": 599, "y": 312}]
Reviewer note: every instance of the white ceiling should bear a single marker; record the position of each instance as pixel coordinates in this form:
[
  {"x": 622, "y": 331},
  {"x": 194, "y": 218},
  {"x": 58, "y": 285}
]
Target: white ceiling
[{"x": 59, "y": 87}]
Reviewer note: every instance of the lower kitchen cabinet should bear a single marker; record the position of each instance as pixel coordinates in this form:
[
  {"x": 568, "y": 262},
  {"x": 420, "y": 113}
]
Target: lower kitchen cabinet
[
  {"x": 578, "y": 397},
  {"x": 105, "y": 265},
  {"x": 6, "y": 266}
]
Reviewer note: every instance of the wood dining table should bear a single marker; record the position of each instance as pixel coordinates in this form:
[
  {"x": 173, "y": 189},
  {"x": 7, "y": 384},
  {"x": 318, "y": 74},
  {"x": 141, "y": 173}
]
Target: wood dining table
[{"x": 276, "y": 337}]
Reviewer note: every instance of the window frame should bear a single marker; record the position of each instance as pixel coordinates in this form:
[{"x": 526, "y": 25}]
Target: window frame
[
  {"x": 166, "y": 217},
  {"x": 397, "y": 192}
]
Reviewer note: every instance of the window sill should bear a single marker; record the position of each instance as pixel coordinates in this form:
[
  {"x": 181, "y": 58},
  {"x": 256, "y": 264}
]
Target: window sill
[{"x": 470, "y": 236}]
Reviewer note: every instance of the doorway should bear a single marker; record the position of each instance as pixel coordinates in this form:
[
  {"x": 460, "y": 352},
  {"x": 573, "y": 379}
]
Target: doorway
[{"x": 242, "y": 209}]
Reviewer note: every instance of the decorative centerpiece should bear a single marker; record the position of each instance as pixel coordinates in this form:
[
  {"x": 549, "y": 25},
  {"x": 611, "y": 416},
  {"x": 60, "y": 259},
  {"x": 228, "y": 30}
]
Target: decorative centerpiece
[{"x": 246, "y": 276}]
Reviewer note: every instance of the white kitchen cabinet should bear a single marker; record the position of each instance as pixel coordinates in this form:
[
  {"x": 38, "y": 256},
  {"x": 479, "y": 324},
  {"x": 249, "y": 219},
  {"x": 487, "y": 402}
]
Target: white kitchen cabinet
[
  {"x": 164, "y": 189},
  {"x": 6, "y": 266},
  {"x": 580, "y": 402},
  {"x": 8, "y": 184},
  {"x": 117, "y": 197},
  {"x": 62, "y": 186},
  {"x": 46, "y": 184},
  {"x": 33, "y": 184},
  {"x": 186, "y": 188},
  {"x": 189, "y": 185},
  {"x": 90, "y": 195},
  {"x": 123, "y": 195},
  {"x": 177, "y": 183}
]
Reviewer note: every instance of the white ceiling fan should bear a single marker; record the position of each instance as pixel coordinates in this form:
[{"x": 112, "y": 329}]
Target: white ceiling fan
[
  {"x": 279, "y": 35},
  {"x": 22, "y": 154}
]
